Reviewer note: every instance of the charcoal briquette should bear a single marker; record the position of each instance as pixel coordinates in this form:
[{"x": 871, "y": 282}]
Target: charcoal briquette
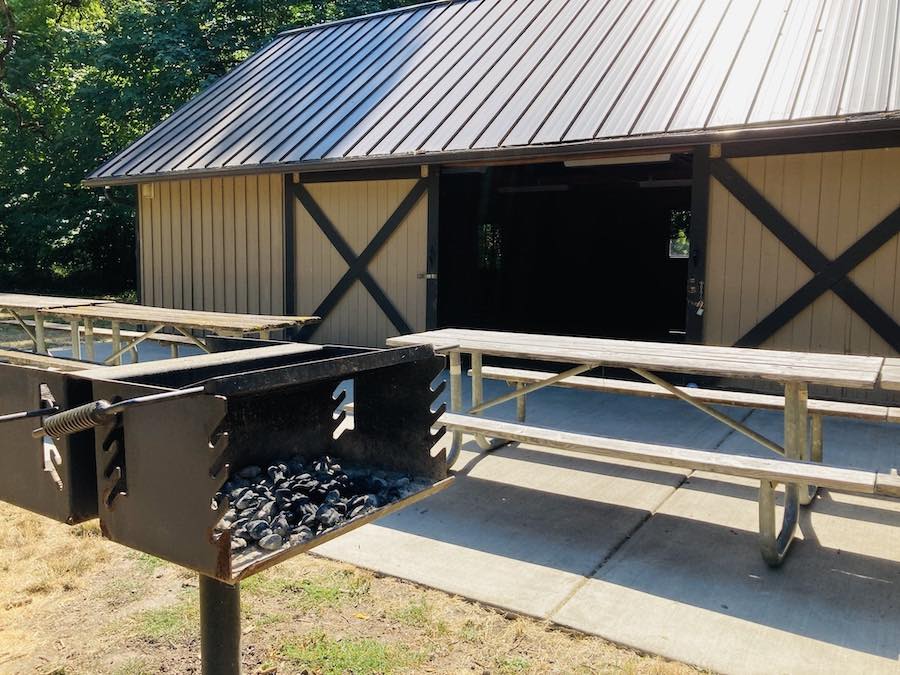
[
  {"x": 246, "y": 501},
  {"x": 249, "y": 472},
  {"x": 257, "y": 529},
  {"x": 327, "y": 516},
  {"x": 237, "y": 543},
  {"x": 266, "y": 511},
  {"x": 271, "y": 542}
]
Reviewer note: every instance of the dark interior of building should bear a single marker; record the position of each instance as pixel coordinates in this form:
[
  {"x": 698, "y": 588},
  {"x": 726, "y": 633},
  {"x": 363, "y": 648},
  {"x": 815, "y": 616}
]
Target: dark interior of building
[{"x": 572, "y": 249}]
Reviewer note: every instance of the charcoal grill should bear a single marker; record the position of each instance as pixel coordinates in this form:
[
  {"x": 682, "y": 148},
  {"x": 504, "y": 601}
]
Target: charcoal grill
[{"x": 153, "y": 471}]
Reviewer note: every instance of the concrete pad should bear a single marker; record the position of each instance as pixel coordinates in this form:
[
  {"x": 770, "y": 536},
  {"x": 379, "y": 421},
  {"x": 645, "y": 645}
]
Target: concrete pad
[
  {"x": 690, "y": 585},
  {"x": 627, "y": 417},
  {"x": 520, "y": 529}
]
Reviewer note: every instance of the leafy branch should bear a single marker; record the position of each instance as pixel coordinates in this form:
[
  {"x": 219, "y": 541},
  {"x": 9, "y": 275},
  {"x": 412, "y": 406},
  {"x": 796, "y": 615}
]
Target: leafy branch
[{"x": 10, "y": 39}]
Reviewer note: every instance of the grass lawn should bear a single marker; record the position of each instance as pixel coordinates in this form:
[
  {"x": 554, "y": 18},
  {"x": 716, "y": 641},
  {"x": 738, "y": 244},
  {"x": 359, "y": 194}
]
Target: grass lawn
[{"x": 72, "y": 602}]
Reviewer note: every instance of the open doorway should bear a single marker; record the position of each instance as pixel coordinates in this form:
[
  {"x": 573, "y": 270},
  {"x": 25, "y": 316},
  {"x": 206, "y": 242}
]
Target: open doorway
[{"x": 576, "y": 249}]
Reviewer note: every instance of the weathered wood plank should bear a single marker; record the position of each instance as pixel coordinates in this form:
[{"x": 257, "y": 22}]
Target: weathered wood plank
[
  {"x": 861, "y": 411},
  {"x": 198, "y": 361},
  {"x": 247, "y": 323},
  {"x": 30, "y": 303},
  {"x": 42, "y": 361},
  {"x": 825, "y": 369},
  {"x": 890, "y": 375},
  {"x": 849, "y": 480},
  {"x": 888, "y": 484}
]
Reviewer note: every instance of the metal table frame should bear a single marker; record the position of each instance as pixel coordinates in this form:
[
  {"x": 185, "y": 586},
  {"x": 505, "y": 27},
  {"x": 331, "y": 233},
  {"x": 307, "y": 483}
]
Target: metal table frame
[{"x": 800, "y": 443}]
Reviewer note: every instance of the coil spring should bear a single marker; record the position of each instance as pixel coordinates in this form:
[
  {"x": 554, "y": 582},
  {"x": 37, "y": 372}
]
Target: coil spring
[{"x": 78, "y": 419}]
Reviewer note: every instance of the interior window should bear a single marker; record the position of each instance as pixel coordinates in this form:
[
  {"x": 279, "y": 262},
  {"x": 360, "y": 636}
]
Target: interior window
[{"x": 679, "y": 234}]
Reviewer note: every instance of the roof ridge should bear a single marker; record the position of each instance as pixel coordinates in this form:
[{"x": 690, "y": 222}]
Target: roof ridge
[{"x": 364, "y": 17}]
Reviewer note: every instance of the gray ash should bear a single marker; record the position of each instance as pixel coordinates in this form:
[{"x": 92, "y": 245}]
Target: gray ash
[{"x": 292, "y": 501}]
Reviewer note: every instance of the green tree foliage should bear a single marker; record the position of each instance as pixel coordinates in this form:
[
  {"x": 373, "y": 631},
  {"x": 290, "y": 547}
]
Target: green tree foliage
[{"x": 80, "y": 80}]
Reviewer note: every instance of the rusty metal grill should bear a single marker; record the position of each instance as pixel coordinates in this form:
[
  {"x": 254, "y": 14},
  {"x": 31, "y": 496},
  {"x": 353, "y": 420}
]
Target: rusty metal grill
[{"x": 153, "y": 469}]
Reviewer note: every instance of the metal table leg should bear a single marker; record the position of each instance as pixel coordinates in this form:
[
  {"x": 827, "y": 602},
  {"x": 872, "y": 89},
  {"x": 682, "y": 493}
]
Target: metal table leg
[
  {"x": 76, "y": 340},
  {"x": 40, "y": 339},
  {"x": 455, "y": 404},
  {"x": 520, "y": 403},
  {"x": 220, "y": 627},
  {"x": 116, "y": 342},
  {"x": 478, "y": 395},
  {"x": 774, "y": 547},
  {"x": 89, "y": 338},
  {"x": 815, "y": 453}
]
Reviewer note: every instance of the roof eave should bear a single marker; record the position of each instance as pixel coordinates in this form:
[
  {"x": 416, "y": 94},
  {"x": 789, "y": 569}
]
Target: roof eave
[{"x": 856, "y": 124}]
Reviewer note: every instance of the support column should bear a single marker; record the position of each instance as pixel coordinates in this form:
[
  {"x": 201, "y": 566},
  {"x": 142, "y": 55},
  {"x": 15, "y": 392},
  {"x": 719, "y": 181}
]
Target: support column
[
  {"x": 698, "y": 240},
  {"x": 39, "y": 336},
  {"x": 220, "y": 627},
  {"x": 116, "y": 342},
  {"x": 76, "y": 339},
  {"x": 89, "y": 338}
]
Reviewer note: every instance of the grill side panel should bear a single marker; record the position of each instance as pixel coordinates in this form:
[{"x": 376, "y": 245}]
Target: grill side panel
[{"x": 23, "y": 481}]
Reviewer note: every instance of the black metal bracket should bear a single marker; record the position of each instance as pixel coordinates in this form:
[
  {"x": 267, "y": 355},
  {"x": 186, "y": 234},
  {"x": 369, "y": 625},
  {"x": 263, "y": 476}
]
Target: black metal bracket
[
  {"x": 698, "y": 242},
  {"x": 828, "y": 274},
  {"x": 358, "y": 266}
]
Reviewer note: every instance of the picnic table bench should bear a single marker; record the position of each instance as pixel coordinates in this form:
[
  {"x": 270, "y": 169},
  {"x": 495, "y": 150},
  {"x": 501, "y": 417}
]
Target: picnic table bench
[
  {"x": 155, "y": 319},
  {"x": 801, "y": 470}
]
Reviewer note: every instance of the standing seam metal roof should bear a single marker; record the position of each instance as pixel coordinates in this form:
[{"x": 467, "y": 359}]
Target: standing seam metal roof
[{"x": 461, "y": 76}]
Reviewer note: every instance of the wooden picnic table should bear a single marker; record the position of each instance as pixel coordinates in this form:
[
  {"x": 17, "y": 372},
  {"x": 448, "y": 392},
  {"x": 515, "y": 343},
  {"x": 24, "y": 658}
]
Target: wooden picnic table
[
  {"x": 155, "y": 319},
  {"x": 782, "y": 366},
  {"x": 21, "y": 304},
  {"x": 795, "y": 371}
]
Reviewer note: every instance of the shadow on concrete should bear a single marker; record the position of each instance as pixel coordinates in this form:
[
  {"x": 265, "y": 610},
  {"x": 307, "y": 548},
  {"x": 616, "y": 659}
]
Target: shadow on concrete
[
  {"x": 826, "y": 594},
  {"x": 834, "y": 596}
]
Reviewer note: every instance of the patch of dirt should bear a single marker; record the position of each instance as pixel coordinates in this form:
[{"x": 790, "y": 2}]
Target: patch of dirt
[{"x": 72, "y": 602}]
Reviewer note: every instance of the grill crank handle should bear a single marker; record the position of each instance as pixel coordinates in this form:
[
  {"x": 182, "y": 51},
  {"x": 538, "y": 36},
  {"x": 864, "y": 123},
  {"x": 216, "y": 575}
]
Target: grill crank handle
[
  {"x": 97, "y": 413},
  {"x": 40, "y": 412}
]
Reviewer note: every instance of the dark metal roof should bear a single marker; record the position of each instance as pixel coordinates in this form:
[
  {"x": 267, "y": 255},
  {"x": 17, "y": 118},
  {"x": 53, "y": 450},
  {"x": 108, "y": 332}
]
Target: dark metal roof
[{"x": 462, "y": 79}]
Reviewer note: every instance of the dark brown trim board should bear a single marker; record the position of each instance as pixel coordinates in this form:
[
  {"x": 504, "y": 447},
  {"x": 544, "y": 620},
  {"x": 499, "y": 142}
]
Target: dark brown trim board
[
  {"x": 431, "y": 266},
  {"x": 290, "y": 248},
  {"x": 698, "y": 242}
]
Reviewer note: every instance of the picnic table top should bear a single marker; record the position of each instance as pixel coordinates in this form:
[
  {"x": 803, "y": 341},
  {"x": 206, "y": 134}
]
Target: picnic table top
[
  {"x": 890, "y": 375},
  {"x": 25, "y": 302},
  {"x": 824, "y": 369},
  {"x": 218, "y": 321}
]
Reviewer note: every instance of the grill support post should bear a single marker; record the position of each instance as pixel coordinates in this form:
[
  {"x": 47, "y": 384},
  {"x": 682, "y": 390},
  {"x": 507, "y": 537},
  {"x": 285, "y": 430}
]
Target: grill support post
[{"x": 220, "y": 627}]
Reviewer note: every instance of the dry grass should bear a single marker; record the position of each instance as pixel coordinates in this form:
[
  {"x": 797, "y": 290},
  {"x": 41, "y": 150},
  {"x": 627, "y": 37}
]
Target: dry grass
[{"x": 71, "y": 602}]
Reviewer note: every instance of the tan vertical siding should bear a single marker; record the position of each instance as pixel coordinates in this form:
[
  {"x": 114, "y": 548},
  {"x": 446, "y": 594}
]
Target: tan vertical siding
[
  {"x": 833, "y": 199},
  {"x": 200, "y": 244},
  {"x": 358, "y": 209}
]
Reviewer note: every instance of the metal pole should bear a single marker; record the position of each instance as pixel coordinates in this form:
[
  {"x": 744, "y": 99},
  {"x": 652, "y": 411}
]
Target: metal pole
[
  {"x": 534, "y": 386},
  {"x": 478, "y": 394},
  {"x": 116, "y": 342},
  {"x": 455, "y": 404},
  {"x": 712, "y": 412},
  {"x": 40, "y": 339},
  {"x": 76, "y": 339},
  {"x": 89, "y": 338},
  {"x": 220, "y": 627}
]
